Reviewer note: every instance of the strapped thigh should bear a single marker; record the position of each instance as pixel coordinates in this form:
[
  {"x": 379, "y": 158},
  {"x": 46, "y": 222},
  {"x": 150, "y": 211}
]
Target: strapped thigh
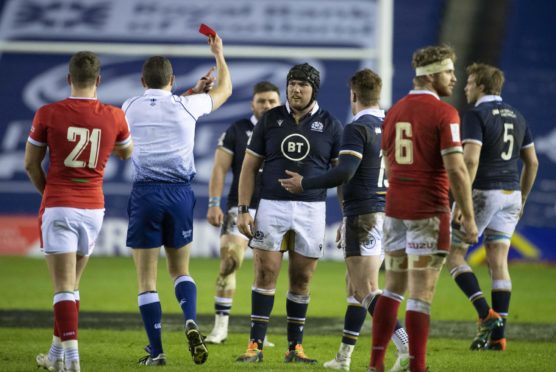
[{"x": 425, "y": 262}]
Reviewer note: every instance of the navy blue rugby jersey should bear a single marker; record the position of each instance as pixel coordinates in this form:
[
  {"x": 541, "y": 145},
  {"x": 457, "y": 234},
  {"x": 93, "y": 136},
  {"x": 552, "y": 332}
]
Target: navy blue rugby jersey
[
  {"x": 502, "y": 132},
  {"x": 365, "y": 192},
  {"x": 306, "y": 148},
  {"x": 234, "y": 142}
]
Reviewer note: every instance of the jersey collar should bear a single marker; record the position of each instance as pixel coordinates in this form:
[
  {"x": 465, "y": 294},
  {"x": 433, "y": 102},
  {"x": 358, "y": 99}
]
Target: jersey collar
[
  {"x": 423, "y": 91},
  {"x": 370, "y": 111},
  {"x": 489, "y": 98},
  {"x": 253, "y": 119},
  {"x": 88, "y": 98},
  {"x": 157, "y": 92}
]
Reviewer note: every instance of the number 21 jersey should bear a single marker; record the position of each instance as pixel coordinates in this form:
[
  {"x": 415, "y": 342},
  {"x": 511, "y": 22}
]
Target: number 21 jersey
[{"x": 80, "y": 134}]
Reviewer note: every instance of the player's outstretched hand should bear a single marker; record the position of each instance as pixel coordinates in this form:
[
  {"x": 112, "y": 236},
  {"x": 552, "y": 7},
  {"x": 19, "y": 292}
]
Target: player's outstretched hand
[
  {"x": 292, "y": 184},
  {"x": 245, "y": 224},
  {"x": 215, "y": 216}
]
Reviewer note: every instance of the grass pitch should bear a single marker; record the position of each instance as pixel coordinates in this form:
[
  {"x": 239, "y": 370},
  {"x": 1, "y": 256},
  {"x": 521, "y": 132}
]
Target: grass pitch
[{"x": 111, "y": 335}]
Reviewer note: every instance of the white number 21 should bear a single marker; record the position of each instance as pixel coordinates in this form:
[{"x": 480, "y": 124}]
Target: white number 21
[{"x": 84, "y": 137}]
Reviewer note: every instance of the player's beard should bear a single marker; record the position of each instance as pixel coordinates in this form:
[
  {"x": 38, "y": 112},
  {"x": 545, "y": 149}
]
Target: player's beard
[{"x": 299, "y": 104}]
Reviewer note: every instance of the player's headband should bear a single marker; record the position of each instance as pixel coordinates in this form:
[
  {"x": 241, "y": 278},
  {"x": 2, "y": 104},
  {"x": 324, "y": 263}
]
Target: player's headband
[{"x": 433, "y": 68}]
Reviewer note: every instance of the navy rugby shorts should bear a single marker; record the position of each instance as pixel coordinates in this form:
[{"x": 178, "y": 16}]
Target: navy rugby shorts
[{"x": 160, "y": 214}]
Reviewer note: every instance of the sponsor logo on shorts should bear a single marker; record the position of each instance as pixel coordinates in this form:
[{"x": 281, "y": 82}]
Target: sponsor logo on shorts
[
  {"x": 426, "y": 245},
  {"x": 186, "y": 233},
  {"x": 259, "y": 235}
]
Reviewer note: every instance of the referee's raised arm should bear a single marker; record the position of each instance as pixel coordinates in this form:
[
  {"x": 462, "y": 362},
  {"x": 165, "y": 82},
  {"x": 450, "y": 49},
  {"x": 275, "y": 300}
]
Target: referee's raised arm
[{"x": 223, "y": 88}]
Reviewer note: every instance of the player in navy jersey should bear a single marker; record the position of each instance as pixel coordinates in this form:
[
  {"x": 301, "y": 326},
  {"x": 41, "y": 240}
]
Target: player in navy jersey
[
  {"x": 229, "y": 155},
  {"x": 161, "y": 202},
  {"x": 495, "y": 136},
  {"x": 302, "y": 137},
  {"x": 361, "y": 171}
]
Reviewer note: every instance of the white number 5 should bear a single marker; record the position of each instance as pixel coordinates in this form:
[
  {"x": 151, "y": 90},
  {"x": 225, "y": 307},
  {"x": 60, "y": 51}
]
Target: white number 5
[
  {"x": 508, "y": 137},
  {"x": 83, "y": 137}
]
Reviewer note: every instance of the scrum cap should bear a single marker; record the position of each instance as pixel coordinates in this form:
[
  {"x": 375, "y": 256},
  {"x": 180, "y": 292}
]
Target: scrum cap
[{"x": 305, "y": 72}]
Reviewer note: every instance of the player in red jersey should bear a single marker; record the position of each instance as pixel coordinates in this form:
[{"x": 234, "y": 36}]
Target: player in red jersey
[
  {"x": 80, "y": 134},
  {"x": 422, "y": 146}
]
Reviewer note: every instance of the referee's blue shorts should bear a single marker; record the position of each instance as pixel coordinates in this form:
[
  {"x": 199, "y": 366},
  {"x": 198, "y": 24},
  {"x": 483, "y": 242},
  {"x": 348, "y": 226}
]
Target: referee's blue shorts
[{"x": 160, "y": 214}]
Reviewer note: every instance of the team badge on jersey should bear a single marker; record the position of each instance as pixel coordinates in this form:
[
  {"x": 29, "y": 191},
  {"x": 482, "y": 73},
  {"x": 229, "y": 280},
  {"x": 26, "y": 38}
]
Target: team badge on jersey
[
  {"x": 454, "y": 127},
  {"x": 295, "y": 147},
  {"x": 317, "y": 126}
]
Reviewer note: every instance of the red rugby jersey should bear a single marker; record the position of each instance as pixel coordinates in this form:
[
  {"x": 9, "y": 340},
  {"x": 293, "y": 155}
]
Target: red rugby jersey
[
  {"x": 418, "y": 130},
  {"x": 80, "y": 134}
]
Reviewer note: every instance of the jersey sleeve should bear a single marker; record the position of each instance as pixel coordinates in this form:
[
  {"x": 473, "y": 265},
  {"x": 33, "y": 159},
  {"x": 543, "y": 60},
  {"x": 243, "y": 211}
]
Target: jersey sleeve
[
  {"x": 37, "y": 134},
  {"x": 256, "y": 143},
  {"x": 123, "y": 138},
  {"x": 450, "y": 135},
  {"x": 197, "y": 104},
  {"x": 336, "y": 139},
  {"x": 527, "y": 139},
  {"x": 227, "y": 140},
  {"x": 353, "y": 141},
  {"x": 472, "y": 128}
]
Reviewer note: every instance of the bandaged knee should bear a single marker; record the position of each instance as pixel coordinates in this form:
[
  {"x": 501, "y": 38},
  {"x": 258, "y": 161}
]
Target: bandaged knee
[{"x": 233, "y": 259}]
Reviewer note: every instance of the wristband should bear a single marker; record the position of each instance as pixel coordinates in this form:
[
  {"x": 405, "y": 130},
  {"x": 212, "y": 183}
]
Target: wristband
[
  {"x": 242, "y": 209},
  {"x": 214, "y": 201}
]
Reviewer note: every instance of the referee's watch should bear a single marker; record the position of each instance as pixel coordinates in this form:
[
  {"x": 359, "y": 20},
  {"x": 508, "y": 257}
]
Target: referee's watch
[{"x": 243, "y": 209}]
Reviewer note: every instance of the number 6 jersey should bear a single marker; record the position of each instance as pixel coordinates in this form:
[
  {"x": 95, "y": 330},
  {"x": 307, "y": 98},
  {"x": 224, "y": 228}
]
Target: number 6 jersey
[
  {"x": 418, "y": 130},
  {"x": 80, "y": 134}
]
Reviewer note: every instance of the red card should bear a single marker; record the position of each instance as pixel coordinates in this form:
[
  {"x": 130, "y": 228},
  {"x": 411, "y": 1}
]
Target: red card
[{"x": 206, "y": 30}]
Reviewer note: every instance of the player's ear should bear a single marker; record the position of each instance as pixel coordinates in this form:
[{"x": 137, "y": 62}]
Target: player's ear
[
  {"x": 143, "y": 82},
  {"x": 97, "y": 82},
  {"x": 68, "y": 79},
  {"x": 353, "y": 97}
]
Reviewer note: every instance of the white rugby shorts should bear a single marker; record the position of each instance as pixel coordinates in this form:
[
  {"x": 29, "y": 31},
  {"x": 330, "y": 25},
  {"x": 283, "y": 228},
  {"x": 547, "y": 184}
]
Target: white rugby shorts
[
  {"x": 66, "y": 230},
  {"x": 421, "y": 237},
  {"x": 275, "y": 218},
  {"x": 362, "y": 235},
  {"x": 495, "y": 210}
]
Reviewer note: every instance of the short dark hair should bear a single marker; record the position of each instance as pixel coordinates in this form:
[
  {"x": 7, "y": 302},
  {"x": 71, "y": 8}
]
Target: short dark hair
[
  {"x": 366, "y": 84},
  {"x": 84, "y": 69},
  {"x": 265, "y": 86},
  {"x": 157, "y": 72},
  {"x": 490, "y": 77}
]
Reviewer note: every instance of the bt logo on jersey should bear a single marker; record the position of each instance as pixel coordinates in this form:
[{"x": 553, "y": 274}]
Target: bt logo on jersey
[{"x": 295, "y": 147}]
